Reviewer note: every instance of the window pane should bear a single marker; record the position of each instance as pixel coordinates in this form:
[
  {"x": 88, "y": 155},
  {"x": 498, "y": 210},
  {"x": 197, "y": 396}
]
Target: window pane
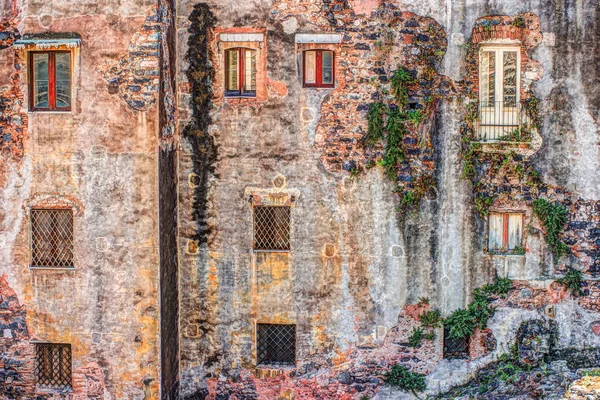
[
  {"x": 62, "y": 62},
  {"x": 487, "y": 70},
  {"x": 232, "y": 74},
  {"x": 510, "y": 78},
  {"x": 250, "y": 70},
  {"x": 515, "y": 231},
  {"x": 40, "y": 80},
  {"x": 327, "y": 67},
  {"x": 495, "y": 232},
  {"x": 310, "y": 70}
]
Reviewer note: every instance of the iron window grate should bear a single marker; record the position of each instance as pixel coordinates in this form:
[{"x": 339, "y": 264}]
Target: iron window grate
[
  {"x": 272, "y": 228},
  {"x": 276, "y": 345},
  {"x": 53, "y": 365},
  {"x": 52, "y": 238},
  {"x": 455, "y": 348}
]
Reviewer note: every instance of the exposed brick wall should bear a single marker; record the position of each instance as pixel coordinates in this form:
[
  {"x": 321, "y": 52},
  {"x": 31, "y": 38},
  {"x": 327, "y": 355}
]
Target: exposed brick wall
[
  {"x": 13, "y": 113},
  {"x": 136, "y": 75}
]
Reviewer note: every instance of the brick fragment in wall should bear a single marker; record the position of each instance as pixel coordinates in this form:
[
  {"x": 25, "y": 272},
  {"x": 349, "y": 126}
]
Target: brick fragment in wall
[
  {"x": 13, "y": 114},
  {"x": 135, "y": 76}
]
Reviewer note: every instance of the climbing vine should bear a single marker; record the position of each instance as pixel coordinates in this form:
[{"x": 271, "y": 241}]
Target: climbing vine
[{"x": 553, "y": 217}]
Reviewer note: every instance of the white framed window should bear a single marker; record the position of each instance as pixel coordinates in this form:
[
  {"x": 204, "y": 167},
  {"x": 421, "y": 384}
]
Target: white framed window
[
  {"x": 499, "y": 76},
  {"x": 505, "y": 232},
  {"x": 499, "y": 81}
]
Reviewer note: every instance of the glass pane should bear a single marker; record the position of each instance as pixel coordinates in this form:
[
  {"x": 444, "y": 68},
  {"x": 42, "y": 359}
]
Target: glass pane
[
  {"x": 487, "y": 72},
  {"x": 40, "y": 80},
  {"x": 62, "y": 65},
  {"x": 327, "y": 67},
  {"x": 310, "y": 70},
  {"x": 495, "y": 232},
  {"x": 515, "y": 231},
  {"x": 510, "y": 78},
  {"x": 250, "y": 70},
  {"x": 232, "y": 73}
]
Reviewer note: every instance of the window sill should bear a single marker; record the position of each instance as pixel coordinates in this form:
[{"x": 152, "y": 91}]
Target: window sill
[
  {"x": 272, "y": 251},
  {"x": 498, "y": 254},
  {"x": 50, "y": 112},
  {"x": 52, "y": 268}
]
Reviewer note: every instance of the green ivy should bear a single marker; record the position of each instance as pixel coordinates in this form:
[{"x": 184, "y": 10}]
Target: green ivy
[
  {"x": 462, "y": 322},
  {"x": 375, "y": 129},
  {"x": 416, "y": 337},
  {"x": 401, "y": 78},
  {"x": 431, "y": 319},
  {"x": 399, "y": 376},
  {"x": 553, "y": 217},
  {"x": 393, "y": 148},
  {"x": 572, "y": 280},
  {"x": 483, "y": 203}
]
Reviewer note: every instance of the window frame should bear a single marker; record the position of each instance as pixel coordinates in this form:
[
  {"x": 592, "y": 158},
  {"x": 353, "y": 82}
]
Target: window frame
[
  {"x": 31, "y": 239},
  {"x": 241, "y": 72},
  {"x": 318, "y": 69},
  {"x": 254, "y": 230},
  {"x": 53, "y": 374},
  {"x": 498, "y": 50},
  {"x": 51, "y": 81},
  {"x": 260, "y": 362},
  {"x": 504, "y": 249}
]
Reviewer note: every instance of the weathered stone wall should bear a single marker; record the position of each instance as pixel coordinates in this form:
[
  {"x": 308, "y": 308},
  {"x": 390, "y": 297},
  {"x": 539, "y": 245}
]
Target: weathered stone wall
[
  {"x": 102, "y": 158},
  {"x": 355, "y": 266}
]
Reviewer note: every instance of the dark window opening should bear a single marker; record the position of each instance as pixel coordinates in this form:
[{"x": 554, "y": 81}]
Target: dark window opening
[
  {"x": 455, "y": 348},
  {"x": 318, "y": 67},
  {"x": 276, "y": 345},
  {"x": 50, "y": 81},
  {"x": 53, "y": 365},
  {"x": 52, "y": 238},
  {"x": 272, "y": 228},
  {"x": 240, "y": 72}
]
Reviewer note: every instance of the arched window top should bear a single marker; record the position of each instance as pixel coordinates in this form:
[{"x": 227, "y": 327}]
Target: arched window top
[
  {"x": 240, "y": 72},
  {"x": 318, "y": 68}
]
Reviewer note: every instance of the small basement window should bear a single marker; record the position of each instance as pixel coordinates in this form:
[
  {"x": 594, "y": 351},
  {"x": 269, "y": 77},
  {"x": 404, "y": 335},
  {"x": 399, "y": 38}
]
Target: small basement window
[
  {"x": 53, "y": 365},
  {"x": 318, "y": 68},
  {"x": 455, "y": 348},
  {"x": 50, "y": 80},
  {"x": 276, "y": 345},
  {"x": 272, "y": 228},
  {"x": 240, "y": 72},
  {"x": 52, "y": 238},
  {"x": 505, "y": 232}
]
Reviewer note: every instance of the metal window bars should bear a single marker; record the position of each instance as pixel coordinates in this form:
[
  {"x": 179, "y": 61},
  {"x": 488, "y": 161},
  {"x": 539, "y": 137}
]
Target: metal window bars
[
  {"x": 53, "y": 365},
  {"x": 455, "y": 348},
  {"x": 276, "y": 345},
  {"x": 52, "y": 238},
  {"x": 503, "y": 122},
  {"x": 272, "y": 228}
]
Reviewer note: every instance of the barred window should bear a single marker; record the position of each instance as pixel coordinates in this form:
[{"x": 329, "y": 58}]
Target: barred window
[
  {"x": 272, "y": 228},
  {"x": 276, "y": 345},
  {"x": 52, "y": 238},
  {"x": 455, "y": 348},
  {"x": 53, "y": 365}
]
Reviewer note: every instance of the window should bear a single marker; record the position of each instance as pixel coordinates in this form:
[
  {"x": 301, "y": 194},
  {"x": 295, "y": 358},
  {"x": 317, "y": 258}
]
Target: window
[
  {"x": 53, "y": 365},
  {"x": 240, "y": 72},
  {"x": 52, "y": 238},
  {"x": 455, "y": 348},
  {"x": 318, "y": 68},
  {"x": 272, "y": 228},
  {"x": 276, "y": 345},
  {"x": 499, "y": 91},
  {"x": 50, "y": 80},
  {"x": 505, "y": 232}
]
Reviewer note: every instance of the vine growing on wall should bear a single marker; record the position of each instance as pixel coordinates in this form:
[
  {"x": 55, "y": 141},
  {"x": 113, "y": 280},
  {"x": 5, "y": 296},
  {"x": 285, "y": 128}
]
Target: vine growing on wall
[{"x": 553, "y": 217}]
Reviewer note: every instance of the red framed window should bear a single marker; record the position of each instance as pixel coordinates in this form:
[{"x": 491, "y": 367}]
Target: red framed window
[
  {"x": 50, "y": 80},
  {"x": 505, "y": 232},
  {"x": 318, "y": 68},
  {"x": 240, "y": 72}
]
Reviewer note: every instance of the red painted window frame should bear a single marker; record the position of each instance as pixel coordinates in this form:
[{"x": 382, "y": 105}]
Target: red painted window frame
[
  {"x": 241, "y": 71},
  {"x": 505, "y": 217},
  {"x": 51, "y": 81},
  {"x": 319, "y": 69}
]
